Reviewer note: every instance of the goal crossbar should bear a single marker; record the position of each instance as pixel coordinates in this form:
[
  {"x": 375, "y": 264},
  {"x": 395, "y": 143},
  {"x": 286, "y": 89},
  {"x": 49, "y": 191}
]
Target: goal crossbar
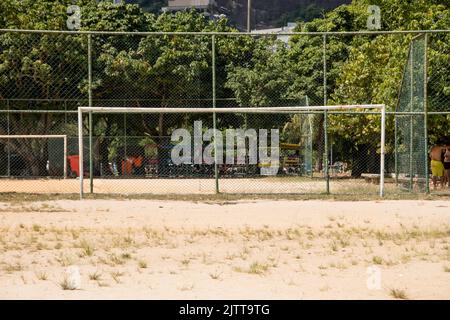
[
  {"x": 299, "y": 109},
  {"x": 43, "y": 136},
  {"x": 230, "y": 110}
]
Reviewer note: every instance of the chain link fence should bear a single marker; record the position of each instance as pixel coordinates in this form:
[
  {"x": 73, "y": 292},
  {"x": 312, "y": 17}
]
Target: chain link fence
[
  {"x": 46, "y": 76},
  {"x": 411, "y": 160}
]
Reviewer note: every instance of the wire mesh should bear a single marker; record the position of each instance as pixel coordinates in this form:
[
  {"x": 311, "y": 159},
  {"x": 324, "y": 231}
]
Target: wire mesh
[
  {"x": 45, "y": 77},
  {"x": 411, "y": 142}
]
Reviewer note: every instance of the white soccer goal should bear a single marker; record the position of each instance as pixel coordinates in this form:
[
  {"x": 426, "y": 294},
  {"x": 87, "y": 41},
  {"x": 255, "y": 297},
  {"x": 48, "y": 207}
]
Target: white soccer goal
[
  {"x": 257, "y": 110},
  {"x": 43, "y": 136}
]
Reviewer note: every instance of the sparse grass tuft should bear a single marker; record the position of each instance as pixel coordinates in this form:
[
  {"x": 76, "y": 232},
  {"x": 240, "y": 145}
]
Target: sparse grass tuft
[
  {"x": 258, "y": 268},
  {"x": 187, "y": 287},
  {"x": 399, "y": 294},
  {"x": 87, "y": 248},
  {"x": 128, "y": 241},
  {"x": 96, "y": 276},
  {"x": 75, "y": 234},
  {"x": 446, "y": 269},
  {"x": 66, "y": 285},
  {"x": 102, "y": 284},
  {"x": 215, "y": 275},
  {"x": 41, "y": 246},
  {"x": 185, "y": 262},
  {"x": 377, "y": 260},
  {"x": 116, "y": 276},
  {"x": 126, "y": 256},
  {"x": 65, "y": 260},
  {"x": 41, "y": 275},
  {"x": 334, "y": 246},
  {"x": 142, "y": 264},
  {"x": 245, "y": 253},
  {"x": 115, "y": 260},
  {"x": 10, "y": 268}
]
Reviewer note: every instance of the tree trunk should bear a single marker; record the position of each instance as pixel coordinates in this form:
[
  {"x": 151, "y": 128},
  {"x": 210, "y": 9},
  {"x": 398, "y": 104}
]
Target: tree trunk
[
  {"x": 35, "y": 157},
  {"x": 163, "y": 149},
  {"x": 104, "y": 153},
  {"x": 33, "y": 152},
  {"x": 365, "y": 159},
  {"x": 320, "y": 145}
]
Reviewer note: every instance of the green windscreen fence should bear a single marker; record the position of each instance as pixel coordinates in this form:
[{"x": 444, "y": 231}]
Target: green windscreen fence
[{"x": 411, "y": 161}]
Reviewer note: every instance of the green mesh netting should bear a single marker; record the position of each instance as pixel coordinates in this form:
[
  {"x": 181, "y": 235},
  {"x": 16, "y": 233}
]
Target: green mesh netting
[{"x": 411, "y": 145}]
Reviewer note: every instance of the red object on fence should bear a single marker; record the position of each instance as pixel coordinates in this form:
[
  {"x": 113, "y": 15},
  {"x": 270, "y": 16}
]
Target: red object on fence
[
  {"x": 74, "y": 164},
  {"x": 129, "y": 163}
]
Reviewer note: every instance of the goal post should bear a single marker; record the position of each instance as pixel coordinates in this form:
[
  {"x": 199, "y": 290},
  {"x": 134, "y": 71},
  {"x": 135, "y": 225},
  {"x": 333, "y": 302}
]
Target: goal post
[
  {"x": 45, "y": 136},
  {"x": 375, "y": 108}
]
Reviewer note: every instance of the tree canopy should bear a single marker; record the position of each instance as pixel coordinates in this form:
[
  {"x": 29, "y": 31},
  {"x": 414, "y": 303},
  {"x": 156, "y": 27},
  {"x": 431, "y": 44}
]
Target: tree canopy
[{"x": 176, "y": 71}]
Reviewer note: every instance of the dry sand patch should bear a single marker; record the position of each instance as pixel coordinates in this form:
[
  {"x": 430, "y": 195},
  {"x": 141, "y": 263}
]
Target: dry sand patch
[{"x": 259, "y": 249}]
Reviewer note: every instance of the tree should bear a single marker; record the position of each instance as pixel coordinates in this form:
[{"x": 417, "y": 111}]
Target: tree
[
  {"x": 366, "y": 69},
  {"x": 373, "y": 73},
  {"x": 360, "y": 70},
  {"x": 307, "y": 56},
  {"x": 262, "y": 82},
  {"x": 158, "y": 71},
  {"x": 39, "y": 70},
  {"x": 50, "y": 70}
]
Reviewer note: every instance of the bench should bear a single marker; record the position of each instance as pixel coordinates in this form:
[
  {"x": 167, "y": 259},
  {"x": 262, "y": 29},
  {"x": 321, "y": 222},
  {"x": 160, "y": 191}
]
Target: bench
[{"x": 371, "y": 177}]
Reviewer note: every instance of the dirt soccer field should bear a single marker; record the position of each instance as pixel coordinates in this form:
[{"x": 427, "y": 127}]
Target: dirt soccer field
[
  {"x": 266, "y": 185},
  {"x": 259, "y": 249}
]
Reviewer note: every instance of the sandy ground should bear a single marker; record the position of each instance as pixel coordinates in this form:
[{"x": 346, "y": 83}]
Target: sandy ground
[
  {"x": 142, "y": 249},
  {"x": 194, "y": 186}
]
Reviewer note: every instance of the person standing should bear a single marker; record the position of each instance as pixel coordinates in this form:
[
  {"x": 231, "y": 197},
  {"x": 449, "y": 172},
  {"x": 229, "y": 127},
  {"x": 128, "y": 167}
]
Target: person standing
[
  {"x": 437, "y": 167},
  {"x": 447, "y": 165}
]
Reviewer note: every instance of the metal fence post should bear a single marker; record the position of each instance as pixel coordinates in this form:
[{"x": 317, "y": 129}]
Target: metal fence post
[
  {"x": 249, "y": 16},
  {"x": 80, "y": 151},
  {"x": 310, "y": 139},
  {"x": 8, "y": 168},
  {"x": 325, "y": 120},
  {"x": 382, "y": 149},
  {"x": 411, "y": 122},
  {"x": 425, "y": 115},
  {"x": 216, "y": 167},
  {"x": 396, "y": 148},
  {"x": 91, "y": 157},
  {"x": 125, "y": 135},
  {"x": 65, "y": 157}
]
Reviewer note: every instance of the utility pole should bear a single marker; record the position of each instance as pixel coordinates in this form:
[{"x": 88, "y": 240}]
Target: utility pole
[{"x": 249, "y": 16}]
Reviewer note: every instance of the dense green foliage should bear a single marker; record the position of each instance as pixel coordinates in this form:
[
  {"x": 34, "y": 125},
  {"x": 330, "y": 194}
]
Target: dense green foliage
[
  {"x": 171, "y": 71},
  {"x": 363, "y": 69}
]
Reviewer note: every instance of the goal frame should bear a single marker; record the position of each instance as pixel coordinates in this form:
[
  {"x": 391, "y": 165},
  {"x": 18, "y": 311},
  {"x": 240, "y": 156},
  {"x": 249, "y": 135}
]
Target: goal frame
[
  {"x": 381, "y": 108},
  {"x": 44, "y": 136}
]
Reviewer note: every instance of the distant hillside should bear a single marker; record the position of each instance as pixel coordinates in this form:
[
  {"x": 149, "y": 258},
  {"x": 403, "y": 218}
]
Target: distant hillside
[
  {"x": 266, "y": 13},
  {"x": 269, "y": 13}
]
